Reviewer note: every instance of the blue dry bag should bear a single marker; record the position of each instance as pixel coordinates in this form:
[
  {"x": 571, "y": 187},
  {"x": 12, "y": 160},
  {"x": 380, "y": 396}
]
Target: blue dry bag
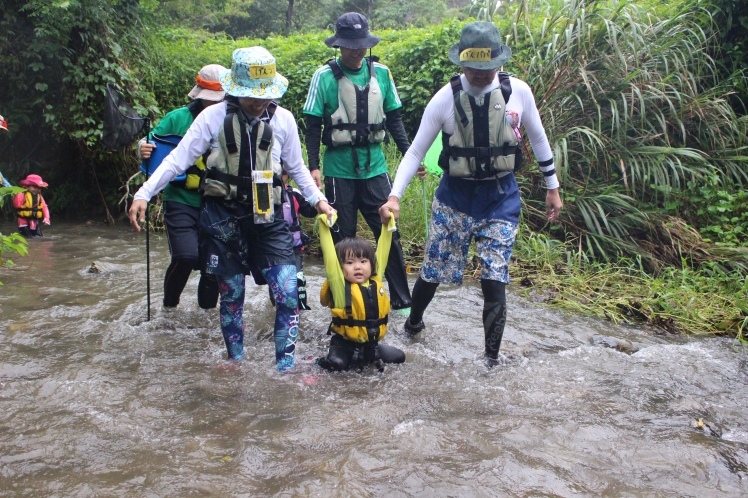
[{"x": 164, "y": 145}]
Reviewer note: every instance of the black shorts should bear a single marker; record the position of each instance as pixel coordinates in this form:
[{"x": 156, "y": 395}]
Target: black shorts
[
  {"x": 349, "y": 197},
  {"x": 182, "y": 228}
]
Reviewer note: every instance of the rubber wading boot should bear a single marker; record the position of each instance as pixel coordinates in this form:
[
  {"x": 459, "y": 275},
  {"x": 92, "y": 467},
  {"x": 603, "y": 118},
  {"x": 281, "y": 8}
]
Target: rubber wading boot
[
  {"x": 207, "y": 291},
  {"x": 494, "y": 320},
  {"x": 414, "y": 329}
]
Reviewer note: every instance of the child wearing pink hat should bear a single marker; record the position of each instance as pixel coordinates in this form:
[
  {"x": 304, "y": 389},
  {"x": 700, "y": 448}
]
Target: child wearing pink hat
[{"x": 31, "y": 207}]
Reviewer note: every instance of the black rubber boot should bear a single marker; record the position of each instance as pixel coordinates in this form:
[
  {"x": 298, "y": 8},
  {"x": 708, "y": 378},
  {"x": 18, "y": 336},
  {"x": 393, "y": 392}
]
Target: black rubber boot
[
  {"x": 494, "y": 318},
  {"x": 207, "y": 291},
  {"x": 175, "y": 279},
  {"x": 423, "y": 293}
]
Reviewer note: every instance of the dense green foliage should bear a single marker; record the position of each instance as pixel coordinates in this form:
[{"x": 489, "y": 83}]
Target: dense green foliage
[
  {"x": 635, "y": 114},
  {"x": 56, "y": 58},
  {"x": 263, "y": 18},
  {"x": 13, "y": 243}
]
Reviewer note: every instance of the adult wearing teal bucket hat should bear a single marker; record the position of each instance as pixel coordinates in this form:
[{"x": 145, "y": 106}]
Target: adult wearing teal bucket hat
[
  {"x": 241, "y": 219},
  {"x": 478, "y": 113}
]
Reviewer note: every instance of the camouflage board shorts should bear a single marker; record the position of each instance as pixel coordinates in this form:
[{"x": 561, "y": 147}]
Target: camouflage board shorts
[{"x": 450, "y": 234}]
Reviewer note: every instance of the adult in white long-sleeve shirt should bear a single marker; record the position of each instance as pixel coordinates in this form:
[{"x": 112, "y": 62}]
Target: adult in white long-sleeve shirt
[
  {"x": 486, "y": 209},
  {"x": 238, "y": 236}
]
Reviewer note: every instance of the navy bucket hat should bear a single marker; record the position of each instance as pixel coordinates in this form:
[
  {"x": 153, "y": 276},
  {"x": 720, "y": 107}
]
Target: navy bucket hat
[{"x": 352, "y": 31}]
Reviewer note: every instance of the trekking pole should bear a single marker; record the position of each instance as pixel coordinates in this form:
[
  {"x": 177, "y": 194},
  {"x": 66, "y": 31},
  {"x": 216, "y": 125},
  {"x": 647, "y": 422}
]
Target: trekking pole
[
  {"x": 147, "y": 234},
  {"x": 425, "y": 209}
]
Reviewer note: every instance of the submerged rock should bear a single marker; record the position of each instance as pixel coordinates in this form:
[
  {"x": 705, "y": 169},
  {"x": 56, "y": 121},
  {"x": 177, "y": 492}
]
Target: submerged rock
[
  {"x": 99, "y": 267},
  {"x": 611, "y": 342}
]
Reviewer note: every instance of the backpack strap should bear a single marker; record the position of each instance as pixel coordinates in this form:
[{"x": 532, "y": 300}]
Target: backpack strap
[
  {"x": 456, "y": 83},
  {"x": 228, "y": 127},
  {"x": 336, "y": 71},
  {"x": 506, "y": 86}
]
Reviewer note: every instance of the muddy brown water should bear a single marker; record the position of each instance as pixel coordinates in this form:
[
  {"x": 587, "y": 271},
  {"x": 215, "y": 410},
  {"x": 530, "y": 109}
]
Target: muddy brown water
[{"x": 97, "y": 401}]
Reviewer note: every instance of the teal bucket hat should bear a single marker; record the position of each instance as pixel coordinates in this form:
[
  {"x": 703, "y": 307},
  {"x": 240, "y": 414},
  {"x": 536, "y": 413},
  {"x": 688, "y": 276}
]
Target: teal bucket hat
[
  {"x": 253, "y": 75},
  {"x": 480, "y": 47}
]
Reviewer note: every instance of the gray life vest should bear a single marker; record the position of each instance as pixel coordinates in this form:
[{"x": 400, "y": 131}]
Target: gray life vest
[
  {"x": 244, "y": 172},
  {"x": 359, "y": 119},
  {"x": 483, "y": 144}
]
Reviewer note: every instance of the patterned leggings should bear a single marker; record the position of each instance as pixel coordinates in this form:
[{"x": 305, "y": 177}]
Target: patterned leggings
[{"x": 282, "y": 282}]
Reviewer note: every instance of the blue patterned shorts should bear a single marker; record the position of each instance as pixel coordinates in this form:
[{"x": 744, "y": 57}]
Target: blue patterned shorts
[{"x": 449, "y": 240}]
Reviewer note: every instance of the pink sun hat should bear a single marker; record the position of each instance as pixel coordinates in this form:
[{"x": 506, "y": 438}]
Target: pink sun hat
[{"x": 34, "y": 180}]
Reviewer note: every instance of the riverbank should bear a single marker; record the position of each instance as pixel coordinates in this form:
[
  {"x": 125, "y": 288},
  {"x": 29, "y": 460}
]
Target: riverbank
[{"x": 710, "y": 299}]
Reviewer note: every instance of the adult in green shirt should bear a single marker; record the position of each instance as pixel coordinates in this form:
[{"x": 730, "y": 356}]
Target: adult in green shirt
[
  {"x": 181, "y": 198},
  {"x": 352, "y": 102}
]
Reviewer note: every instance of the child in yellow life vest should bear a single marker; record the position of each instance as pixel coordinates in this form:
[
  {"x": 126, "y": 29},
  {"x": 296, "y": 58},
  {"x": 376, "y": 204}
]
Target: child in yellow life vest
[
  {"x": 360, "y": 305},
  {"x": 30, "y": 206}
]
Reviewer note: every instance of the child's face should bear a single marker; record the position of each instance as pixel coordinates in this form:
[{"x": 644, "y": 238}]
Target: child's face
[
  {"x": 356, "y": 270},
  {"x": 34, "y": 189}
]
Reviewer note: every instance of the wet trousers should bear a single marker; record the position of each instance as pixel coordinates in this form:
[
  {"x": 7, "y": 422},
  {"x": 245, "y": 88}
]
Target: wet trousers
[
  {"x": 282, "y": 282},
  {"x": 343, "y": 354},
  {"x": 182, "y": 231}
]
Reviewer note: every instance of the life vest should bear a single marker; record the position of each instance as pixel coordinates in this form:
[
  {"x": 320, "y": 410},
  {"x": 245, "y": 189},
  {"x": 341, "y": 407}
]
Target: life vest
[
  {"x": 237, "y": 171},
  {"x": 366, "y": 312},
  {"x": 359, "y": 119},
  {"x": 194, "y": 174},
  {"x": 483, "y": 144},
  {"x": 32, "y": 206}
]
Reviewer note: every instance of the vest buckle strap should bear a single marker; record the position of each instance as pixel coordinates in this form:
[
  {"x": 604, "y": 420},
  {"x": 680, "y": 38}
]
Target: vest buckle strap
[
  {"x": 483, "y": 153},
  {"x": 239, "y": 181}
]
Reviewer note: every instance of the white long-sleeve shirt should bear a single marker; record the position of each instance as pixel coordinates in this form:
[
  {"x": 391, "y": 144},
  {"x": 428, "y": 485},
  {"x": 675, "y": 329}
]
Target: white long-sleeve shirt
[
  {"x": 439, "y": 116},
  {"x": 203, "y": 135}
]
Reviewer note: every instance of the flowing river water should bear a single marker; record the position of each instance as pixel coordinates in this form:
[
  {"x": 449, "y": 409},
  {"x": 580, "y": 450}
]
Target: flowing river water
[{"x": 97, "y": 401}]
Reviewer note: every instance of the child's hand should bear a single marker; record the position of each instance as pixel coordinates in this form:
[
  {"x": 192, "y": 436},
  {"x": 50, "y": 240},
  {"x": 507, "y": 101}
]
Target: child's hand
[{"x": 46, "y": 221}]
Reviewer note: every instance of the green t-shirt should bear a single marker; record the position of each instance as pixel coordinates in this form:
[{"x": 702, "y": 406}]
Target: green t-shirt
[
  {"x": 177, "y": 122},
  {"x": 322, "y": 101}
]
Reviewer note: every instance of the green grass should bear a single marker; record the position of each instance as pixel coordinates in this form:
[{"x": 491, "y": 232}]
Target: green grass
[{"x": 694, "y": 299}]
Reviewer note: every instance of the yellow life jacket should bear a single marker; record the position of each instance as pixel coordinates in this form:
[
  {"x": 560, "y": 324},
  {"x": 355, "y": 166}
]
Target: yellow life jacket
[
  {"x": 353, "y": 322},
  {"x": 32, "y": 206},
  {"x": 483, "y": 144},
  {"x": 233, "y": 173},
  {"x": 191, "y": 179},
  {"x": 194, "y": 175}
]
